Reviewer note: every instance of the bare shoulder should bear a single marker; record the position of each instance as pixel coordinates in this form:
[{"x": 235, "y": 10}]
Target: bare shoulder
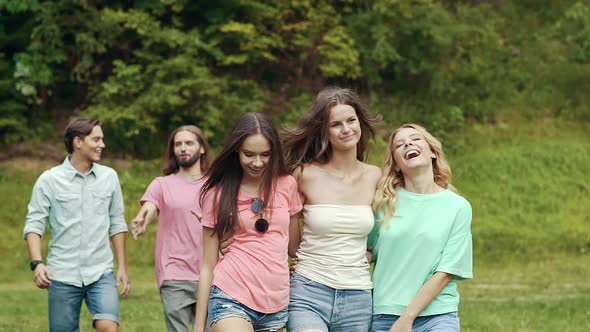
[
  {"x": 297, "y": 172},
  {"x": 372, "y": 172},
  {"x": 307, "y": 172}
]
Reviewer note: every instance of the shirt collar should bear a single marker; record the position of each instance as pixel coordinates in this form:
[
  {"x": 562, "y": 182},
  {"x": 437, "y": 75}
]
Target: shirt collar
[{"x": 71, "y": 172}]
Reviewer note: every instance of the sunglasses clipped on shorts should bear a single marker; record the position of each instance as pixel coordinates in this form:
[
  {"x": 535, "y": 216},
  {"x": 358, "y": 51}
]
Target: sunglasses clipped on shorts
[{"x": 261, "y": 224}]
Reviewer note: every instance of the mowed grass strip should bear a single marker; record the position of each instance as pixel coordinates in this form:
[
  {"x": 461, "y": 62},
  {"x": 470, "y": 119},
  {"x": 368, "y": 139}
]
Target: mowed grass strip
[
  {"x": 545, "y": 295},
  {"x": 550, "y": 294}
]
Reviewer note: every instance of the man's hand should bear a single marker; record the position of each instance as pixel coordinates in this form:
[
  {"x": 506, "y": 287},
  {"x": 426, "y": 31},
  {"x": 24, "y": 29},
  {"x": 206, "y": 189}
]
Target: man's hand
[
  {"x": 42, "y": 276},
  {"x": 139, "y": 225},
  {"x": 123, "y": 280}
]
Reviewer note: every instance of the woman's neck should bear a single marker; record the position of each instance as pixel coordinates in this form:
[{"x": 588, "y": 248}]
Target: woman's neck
[
  {"x": 344, "y": 161},
  {"x": 251, "y": 185},
  {"x": 421, "y": 183}
]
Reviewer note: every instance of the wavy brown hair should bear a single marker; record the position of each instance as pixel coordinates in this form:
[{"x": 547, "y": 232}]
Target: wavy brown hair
[
  {"x": 309, "y": 141},
  {"x": 170, "y": 162},
  {"x": 392, "y": 180},
  {"x": 225, "y": 174}
]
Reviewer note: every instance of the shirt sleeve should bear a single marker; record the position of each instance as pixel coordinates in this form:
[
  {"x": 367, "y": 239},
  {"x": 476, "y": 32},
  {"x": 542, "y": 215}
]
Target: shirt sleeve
[
  {"x": 117, "y": 209},
  {"x": 373, "y": 237},
  {"x": 209, "y": 212},
  {"x": 457, "y": 255},
  {"x": 295, "y": 205},
  {"x": 38, "y": 209},
  {"x": 153, "y": 194}
]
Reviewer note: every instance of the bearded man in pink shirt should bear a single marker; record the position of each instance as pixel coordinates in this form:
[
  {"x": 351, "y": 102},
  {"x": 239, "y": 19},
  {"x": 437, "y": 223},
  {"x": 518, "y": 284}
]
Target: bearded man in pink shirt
[{"x": 179, "y": 246}]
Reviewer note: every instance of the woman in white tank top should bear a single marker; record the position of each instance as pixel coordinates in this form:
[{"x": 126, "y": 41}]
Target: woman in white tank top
[{"x": 331, "y": 286}]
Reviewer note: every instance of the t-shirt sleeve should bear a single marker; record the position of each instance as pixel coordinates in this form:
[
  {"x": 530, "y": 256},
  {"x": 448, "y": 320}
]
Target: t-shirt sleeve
[
  {"x": 294, "y": 197},
  {"x": 153, "y": 194},
  {"x": 373, "y": 237},
  {"x": 457, "y": 255},
  {"x": 208, "y": 210}
]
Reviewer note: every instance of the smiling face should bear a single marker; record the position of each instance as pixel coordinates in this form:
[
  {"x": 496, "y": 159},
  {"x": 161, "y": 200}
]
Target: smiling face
[
  {"x": 187, "y": 149},
  {"x": 90, "y": 147},
  {"x": 411, "y": 150},
  {"x": 254, "y": 154},
  {"x": 344, "y": 130}
]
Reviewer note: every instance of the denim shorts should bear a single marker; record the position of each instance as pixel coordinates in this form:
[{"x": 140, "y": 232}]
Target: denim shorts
[
  {"x": 448, "y": 322},
  {"x": 317, "y": 306},
  {"x": 222, "y": 306},
  {"x": 65, "y": 302}
]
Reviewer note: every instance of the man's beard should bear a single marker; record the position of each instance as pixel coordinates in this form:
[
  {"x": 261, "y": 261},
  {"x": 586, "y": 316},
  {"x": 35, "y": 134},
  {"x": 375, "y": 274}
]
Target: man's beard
[{"x": 187, "y": 163}]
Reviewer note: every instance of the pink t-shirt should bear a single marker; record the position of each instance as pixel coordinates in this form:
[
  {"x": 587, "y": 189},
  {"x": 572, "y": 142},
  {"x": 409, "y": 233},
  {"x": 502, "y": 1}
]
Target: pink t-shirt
[
  {"x": 255, "y": 270},
  {"x": 179, "y": 240}
]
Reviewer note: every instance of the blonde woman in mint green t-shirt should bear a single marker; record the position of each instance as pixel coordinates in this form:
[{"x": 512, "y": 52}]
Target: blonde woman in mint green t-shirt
[{"x": 422, "y": 238}]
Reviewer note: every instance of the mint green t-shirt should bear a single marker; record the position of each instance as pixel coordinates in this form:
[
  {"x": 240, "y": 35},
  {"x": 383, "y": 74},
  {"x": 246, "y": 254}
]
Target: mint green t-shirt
[{"x": 428, "y": 233}]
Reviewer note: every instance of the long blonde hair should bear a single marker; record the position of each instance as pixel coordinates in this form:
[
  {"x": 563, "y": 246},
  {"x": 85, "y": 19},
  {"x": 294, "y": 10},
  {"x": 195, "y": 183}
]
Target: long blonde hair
[{"x": 392, "y": 180}]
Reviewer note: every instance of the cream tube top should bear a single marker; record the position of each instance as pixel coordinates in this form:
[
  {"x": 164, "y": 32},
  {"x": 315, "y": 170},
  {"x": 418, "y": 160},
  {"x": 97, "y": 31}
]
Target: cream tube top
[{"x": 334, "y": 243}]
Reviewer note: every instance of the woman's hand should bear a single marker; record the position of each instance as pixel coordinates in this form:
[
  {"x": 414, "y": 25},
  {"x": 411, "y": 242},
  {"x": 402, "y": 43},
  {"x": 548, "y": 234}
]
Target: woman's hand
[{"x": 224, "y": 246}]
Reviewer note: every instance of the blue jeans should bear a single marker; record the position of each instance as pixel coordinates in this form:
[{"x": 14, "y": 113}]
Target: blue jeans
[
  {"x": 65, "y": 302},
  {"x": 222, "y": 306},
  {"x": 448, "y": 322},
  {"x": 317, "y": 306}
]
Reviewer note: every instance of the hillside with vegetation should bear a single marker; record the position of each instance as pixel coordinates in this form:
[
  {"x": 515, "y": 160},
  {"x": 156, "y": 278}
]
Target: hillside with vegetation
[{"x": 145, "y": 66}]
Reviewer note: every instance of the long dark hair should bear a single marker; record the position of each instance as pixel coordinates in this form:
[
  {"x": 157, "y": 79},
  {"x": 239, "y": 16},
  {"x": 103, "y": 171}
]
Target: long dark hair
[
  {"x": 170, "y": 162},
  {"x": 309, "y": 140},
  {"x": 225, "y": 173}
]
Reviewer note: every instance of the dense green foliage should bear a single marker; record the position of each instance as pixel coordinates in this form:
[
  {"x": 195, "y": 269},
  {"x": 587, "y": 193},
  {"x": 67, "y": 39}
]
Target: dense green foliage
[{"x": 146, "y": 66}]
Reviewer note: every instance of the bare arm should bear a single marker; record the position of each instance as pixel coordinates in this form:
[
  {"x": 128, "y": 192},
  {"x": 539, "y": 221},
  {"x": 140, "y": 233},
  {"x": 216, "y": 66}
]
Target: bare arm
[
  {"x": 120, "y": 253},
  {"x": 34, "y": 246},
  {"x": 144, "y": 217},
  {"x": 41, "y": 273},
  {"x": 426, "y": 294},
  {"x": 210, "y": 258},
  {"x": 294, "y": 235},
  {"x": 294, "y": 227}
]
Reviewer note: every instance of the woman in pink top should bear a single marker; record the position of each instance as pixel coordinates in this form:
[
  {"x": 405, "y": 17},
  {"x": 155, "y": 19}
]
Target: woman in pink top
[{"x": 250, "y": 197}]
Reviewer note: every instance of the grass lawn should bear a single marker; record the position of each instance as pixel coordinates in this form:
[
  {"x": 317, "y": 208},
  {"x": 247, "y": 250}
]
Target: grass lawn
[{"x": 547, "y": 295}]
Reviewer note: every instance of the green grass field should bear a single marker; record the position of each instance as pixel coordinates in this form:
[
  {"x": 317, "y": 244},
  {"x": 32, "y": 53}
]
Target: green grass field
[{"x": 529, "y": 188}]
